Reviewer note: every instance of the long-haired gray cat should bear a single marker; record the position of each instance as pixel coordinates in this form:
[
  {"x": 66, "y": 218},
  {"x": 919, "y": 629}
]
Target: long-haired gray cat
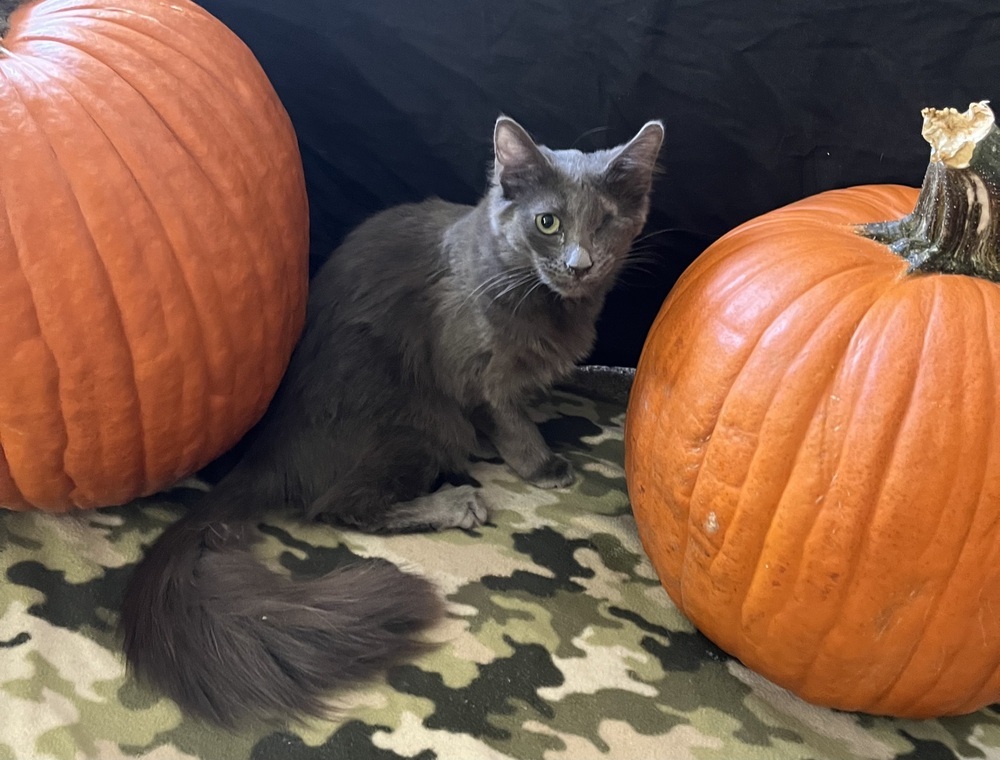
[{"x": 427, "y": 331}]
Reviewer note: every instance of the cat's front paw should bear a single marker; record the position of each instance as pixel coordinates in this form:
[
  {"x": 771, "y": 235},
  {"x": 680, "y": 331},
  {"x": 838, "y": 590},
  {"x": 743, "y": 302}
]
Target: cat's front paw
[{"x": 555, "y": 472}]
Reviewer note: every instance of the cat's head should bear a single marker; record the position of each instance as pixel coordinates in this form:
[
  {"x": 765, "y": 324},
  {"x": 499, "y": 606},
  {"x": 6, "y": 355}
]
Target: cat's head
[{"x": 570, "y": 215}]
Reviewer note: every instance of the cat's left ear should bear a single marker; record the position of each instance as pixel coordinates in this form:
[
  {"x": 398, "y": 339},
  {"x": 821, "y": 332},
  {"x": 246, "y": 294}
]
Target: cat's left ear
[
  {"x": 631, "y": 167},
  {"x": 517, "y": 159}
]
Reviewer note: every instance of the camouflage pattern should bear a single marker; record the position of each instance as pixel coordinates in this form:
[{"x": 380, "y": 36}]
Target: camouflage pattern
[{"x": 560, "y": 645}]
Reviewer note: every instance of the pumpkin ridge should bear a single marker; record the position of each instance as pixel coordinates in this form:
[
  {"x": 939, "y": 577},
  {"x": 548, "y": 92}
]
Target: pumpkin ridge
[
  {"x": 796, "y": 565},
  {"x": 143, "y": 453},
  {"x": 115, "y": 375},
  {"x": 819, "y": 283},
  {"x": 749, "y": 594},
  {"x": 195, "y": 313},
  {"x": 832, "y": 316},
  {"x": 982, "y": 692},
  {"x": 37, "y": 332},
  {"x": 265, "y": 335},
  {"x": 705, "y": 270},
  {"x": 212, "y": 73},
  {"x": 886, "y": 694},
  {"x": 236, "y": 224},
  {"x": 762, "y": 269},
  {"x": 65, "y": 440},
  {"x": 279, "y": 132},
  {"x": 746, "y": 581},
  {"x": 892, "y": 441},
  {"x": 182, "y": 144},
  {"x": 990, "y": 673},
  {"x": 934, "y": 608},
  {"x": 204, "y": 431}
]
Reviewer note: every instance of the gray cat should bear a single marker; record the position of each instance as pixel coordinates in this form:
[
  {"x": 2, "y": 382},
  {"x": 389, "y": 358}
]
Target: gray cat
[{"x": 427, "y": 332}]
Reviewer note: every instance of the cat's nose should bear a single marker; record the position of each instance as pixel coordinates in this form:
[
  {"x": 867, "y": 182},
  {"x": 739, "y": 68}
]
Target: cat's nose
[{"x": 578, "y": 260}]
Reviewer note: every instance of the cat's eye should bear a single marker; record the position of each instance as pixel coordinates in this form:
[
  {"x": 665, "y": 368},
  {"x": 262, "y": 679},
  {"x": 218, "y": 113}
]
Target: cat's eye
[{"x": 547, "y": 224}]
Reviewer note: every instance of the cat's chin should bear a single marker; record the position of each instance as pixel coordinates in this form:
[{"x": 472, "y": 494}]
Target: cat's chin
[{"x": 570, "y": 290}]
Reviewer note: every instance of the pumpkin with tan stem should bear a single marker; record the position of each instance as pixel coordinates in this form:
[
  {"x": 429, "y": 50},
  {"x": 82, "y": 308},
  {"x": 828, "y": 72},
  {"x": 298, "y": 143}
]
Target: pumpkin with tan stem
[
  {"x": 813, "y": 438},
  {"x": 153, "y": 247}
]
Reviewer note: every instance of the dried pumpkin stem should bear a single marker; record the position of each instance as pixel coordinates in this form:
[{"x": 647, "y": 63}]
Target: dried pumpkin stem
[{"x": 955, "y": 226}]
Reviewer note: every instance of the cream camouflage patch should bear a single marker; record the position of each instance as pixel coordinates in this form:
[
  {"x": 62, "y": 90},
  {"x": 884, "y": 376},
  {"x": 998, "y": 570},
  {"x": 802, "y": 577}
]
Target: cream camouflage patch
[{"x": 560, "y": 643}]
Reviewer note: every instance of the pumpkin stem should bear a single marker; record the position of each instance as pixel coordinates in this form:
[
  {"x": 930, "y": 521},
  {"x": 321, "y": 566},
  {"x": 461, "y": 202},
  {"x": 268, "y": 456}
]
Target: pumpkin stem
[{"x": 955, "y": 226}]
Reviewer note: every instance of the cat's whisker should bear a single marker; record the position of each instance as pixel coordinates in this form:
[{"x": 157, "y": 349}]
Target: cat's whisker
[
  {"x": 498, "y": 280},
  {"x": 663, "y": 231},
  {"x": 647, "y": 252},
  {"x": 643, "y": 268},
  {"x": 628, "y": 276},
  {"x": 524, "y": 280},
  {"x": 588, "y": 133},
  {"x": 503, "y": 278},
  {"x": 484, "y": 287},
  {"x": 643, "y": 257},
  {"x": 439, "y": 272},
  {"x": 514, "y": 283}
]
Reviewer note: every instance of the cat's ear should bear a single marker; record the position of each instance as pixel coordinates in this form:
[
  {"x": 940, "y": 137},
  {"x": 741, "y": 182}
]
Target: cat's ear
[
  {"x": 517, "y": 160},
  {"x": 629, "y": 173}
]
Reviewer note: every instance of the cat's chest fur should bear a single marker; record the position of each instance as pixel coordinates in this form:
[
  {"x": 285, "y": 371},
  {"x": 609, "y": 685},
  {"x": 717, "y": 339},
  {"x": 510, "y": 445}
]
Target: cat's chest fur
[
  {"x": 490, "y": 353},
  {"x": 499, "y": 341}
]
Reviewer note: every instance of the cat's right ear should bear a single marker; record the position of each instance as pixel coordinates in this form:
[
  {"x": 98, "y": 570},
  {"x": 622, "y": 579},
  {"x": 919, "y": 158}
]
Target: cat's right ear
[{"x": 517, "y": 160}]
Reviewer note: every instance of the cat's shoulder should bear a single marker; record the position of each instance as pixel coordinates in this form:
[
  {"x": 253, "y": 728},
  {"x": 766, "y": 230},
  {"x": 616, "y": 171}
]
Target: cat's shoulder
[{"x": 420, "y": 219}]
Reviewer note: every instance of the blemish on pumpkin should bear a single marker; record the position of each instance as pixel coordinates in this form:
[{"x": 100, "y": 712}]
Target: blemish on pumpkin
[
  {"x": 711, "y": 523},
  {"x": 884, "y": 621}
]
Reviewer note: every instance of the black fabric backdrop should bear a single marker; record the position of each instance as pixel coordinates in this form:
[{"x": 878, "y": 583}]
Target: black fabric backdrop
[{"x": 764, "y": 102}]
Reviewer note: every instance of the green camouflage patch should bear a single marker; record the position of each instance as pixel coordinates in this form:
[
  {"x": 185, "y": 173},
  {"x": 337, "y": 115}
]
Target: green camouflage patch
[{"x": 560, "y": 643}]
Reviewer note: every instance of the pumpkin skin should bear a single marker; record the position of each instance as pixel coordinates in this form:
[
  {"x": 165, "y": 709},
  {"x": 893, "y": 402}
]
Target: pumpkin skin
[
  {"x": 153, "y": 248},
  {"x": 813, "y": 459}
]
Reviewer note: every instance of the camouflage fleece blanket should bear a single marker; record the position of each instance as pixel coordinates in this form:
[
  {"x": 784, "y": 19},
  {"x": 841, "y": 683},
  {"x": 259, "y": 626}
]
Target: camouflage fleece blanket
[{"x": 560, "y": 645}]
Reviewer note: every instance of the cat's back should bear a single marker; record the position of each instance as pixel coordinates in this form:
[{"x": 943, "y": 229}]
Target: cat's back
[
  {"x": 377, "y": 296},
  {"x": 396, "y": 249},
  {"x": 372, "y": 309}
]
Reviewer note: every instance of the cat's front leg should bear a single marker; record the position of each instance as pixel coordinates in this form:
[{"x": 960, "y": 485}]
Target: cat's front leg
[
  {"x": 484, "y": 447},
  {"x": 519, "y": 442}
]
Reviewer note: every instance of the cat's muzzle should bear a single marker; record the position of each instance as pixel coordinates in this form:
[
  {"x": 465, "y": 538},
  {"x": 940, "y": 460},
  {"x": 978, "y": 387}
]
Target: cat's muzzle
[{"x": 578, "y": 260}]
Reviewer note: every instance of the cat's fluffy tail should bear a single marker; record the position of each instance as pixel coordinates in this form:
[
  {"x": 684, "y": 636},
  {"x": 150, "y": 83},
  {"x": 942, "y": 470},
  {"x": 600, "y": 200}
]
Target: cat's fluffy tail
[{"x": 228, "y": 639}]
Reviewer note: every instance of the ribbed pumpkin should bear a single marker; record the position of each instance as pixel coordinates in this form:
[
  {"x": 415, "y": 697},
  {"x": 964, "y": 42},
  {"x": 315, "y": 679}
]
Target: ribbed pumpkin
[
  {"x": 813, "y": 438},
  {"x": 153, "y": 247}
]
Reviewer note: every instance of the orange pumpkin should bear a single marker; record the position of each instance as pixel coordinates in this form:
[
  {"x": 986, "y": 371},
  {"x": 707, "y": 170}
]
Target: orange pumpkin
[
  {"x": 813, "y": 438},
  {"x": 153, "y": 248}
]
